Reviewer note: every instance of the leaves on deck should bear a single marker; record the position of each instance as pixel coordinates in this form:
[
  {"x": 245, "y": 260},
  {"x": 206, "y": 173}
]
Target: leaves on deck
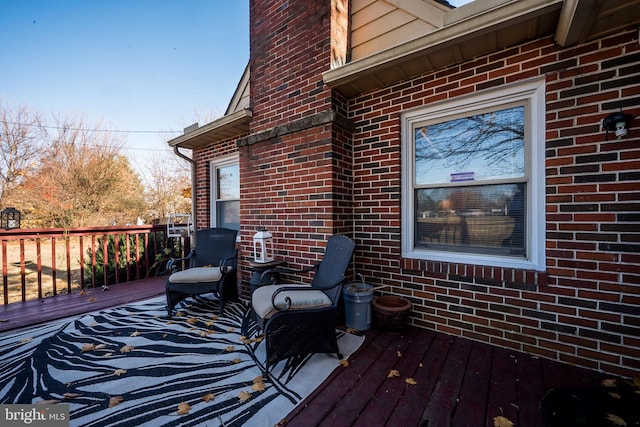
[
  {"x": 258, "y": 384},
  {"x": 616, "y": 420},
  {"x": 91, "y": 347},
  {"x": 393, "y": 373},
  {"x": 183, "y": 408},
  {"x": 208, "y": 397},
  {"x": 244, "y": 396},
  {"x": 411, "y": 381},
  {"x": 119, "y": 372},
  {"x": 501, "y": 421},
  {"x": 115, "y": 401}
]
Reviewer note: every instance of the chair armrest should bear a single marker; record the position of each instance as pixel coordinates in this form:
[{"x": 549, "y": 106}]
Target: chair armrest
[
  {"x": 229, "y": 262},
  {"x": 286, "y": 270},
  {"x": 171, "y": 264}
]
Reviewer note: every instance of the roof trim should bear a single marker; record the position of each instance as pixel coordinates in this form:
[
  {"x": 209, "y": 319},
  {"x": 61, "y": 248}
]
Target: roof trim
[{"x": 226, "y": 127}]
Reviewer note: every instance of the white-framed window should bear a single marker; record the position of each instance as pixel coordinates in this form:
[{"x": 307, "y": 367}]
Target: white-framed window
[
  {"x": 225, "y": 192},
  {"x": 473, "y": 178}
]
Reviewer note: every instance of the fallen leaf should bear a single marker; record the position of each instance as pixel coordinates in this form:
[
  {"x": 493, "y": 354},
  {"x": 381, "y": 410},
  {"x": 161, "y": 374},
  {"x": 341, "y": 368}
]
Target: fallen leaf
[
  {"x": 237, "y": 360},
  {"x": 411, "y": 381},
  {"x": 164, "y": 335},
  {"x": 501, "y": 421},
  {"x": 135, "y": 334},
  {"x": 259, "y": 338},
  {"x": 183, "y": 408},
  {"x": 399, "y": 354},
  {"x": 115, "y": 401},
  {"x": 393, "y": 374},
  {"x": 107, "y": 355},
  {"x": 231, "y": 329},
  {"x": 119, "y": 372},
  {"x": 609, "y": 383},
  {"x": 352, "y": 331},
  {"x": 88, "y": 347},
  {"x": 344, "y": 362},
  {"x": 616, "y": 420},
  {"x": 209, "y": 323},
  {"x": 192, "y": 320},
  {"x": 244, "y": 396},
  {"x": 127, "y": 349},
  {"x": 258, "y": 384},
  {"x": 230, "y": 349},
  {"x": 208, "y": 397},
  {"x": 71, "y": 395},
  {"x": 92, "y": 299},
  {"x": 26, "y": 340},
  {"x": 615, "y": 395}
]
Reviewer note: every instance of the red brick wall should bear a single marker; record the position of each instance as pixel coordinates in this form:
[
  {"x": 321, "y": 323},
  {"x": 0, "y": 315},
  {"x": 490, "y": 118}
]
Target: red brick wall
[
  {"x": 290, "y": 48},
  {"x": 295, "y": 166},
  {"x": 202, "y": 186},
  {"x": 586, "y": 308}
]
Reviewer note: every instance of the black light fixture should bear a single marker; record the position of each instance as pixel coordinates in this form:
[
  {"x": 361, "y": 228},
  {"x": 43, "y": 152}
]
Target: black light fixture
[
  {"x": 618, "y": 123},
  {"x": 10, "y": 218}
]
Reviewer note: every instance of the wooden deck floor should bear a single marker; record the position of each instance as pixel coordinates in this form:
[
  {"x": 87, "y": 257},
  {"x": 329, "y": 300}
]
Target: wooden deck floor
[
  {"x": 458, "y": 382},
  {"x": 27, "y": 313}
]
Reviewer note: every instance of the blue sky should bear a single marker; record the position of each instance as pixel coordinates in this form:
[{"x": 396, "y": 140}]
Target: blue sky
[
  {"x": 127, "y": 65},
  {"x": 142, "y": 65}
]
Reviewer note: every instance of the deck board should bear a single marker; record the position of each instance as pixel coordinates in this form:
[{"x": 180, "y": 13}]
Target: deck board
[
  {"x": 502, "y": 399},
  {"x": 472, "y": 398},
  {"x": 433, "y": 359}
]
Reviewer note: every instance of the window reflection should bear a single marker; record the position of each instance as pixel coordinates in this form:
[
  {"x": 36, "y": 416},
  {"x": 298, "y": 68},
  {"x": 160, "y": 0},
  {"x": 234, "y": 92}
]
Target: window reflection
[
  {"x": 488, "y": 219},
  {"x": 228, "y": 182},
  {"x": 480, "y": 147}
]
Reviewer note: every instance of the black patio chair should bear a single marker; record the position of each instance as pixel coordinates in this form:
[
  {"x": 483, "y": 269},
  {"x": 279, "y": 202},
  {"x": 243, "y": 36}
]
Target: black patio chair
[
  {"x": 300, "y": 319},
  {"x": 212, "y": 267}
]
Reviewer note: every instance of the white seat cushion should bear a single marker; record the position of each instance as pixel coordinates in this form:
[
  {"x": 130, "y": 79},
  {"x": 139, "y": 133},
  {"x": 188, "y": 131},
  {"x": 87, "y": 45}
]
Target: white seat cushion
[
  {"x": 196, "y": 275},
  {"x": 261, "y": 299}
]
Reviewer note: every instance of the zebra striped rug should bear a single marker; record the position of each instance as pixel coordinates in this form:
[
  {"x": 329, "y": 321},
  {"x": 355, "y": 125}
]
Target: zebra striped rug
[{"x": 129, "y": 366}]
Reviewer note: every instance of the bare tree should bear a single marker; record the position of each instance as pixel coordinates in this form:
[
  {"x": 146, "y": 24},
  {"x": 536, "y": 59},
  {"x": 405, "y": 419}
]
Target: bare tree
[
  {"x": 20, "y": 141},
  {"x": 168, "y": 190},
  {"x": 83, "y": 180}
]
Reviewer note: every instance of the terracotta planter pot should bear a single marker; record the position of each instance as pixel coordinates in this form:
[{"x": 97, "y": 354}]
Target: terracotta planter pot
[{"x": 391, "y": 312}]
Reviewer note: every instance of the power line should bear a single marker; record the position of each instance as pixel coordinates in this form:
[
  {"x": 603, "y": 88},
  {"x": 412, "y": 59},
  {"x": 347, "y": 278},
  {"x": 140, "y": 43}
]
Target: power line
[{"x": 91, "y": 130}]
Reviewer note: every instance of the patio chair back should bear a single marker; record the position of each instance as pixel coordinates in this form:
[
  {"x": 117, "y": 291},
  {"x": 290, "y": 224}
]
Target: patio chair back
[
  {"x": 334, "y": 264},
  {"x": 212, "y": 246}
]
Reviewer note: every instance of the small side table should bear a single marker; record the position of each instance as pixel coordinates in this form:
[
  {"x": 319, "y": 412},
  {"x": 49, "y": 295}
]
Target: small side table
[
  {"x": 258, "y": 269},
  {"x": 257, "y": 280}
]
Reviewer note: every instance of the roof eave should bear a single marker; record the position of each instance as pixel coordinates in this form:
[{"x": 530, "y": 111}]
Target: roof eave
[
  {"x": 232, "y": 125},
  {"x": 454, "y": 43}
]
